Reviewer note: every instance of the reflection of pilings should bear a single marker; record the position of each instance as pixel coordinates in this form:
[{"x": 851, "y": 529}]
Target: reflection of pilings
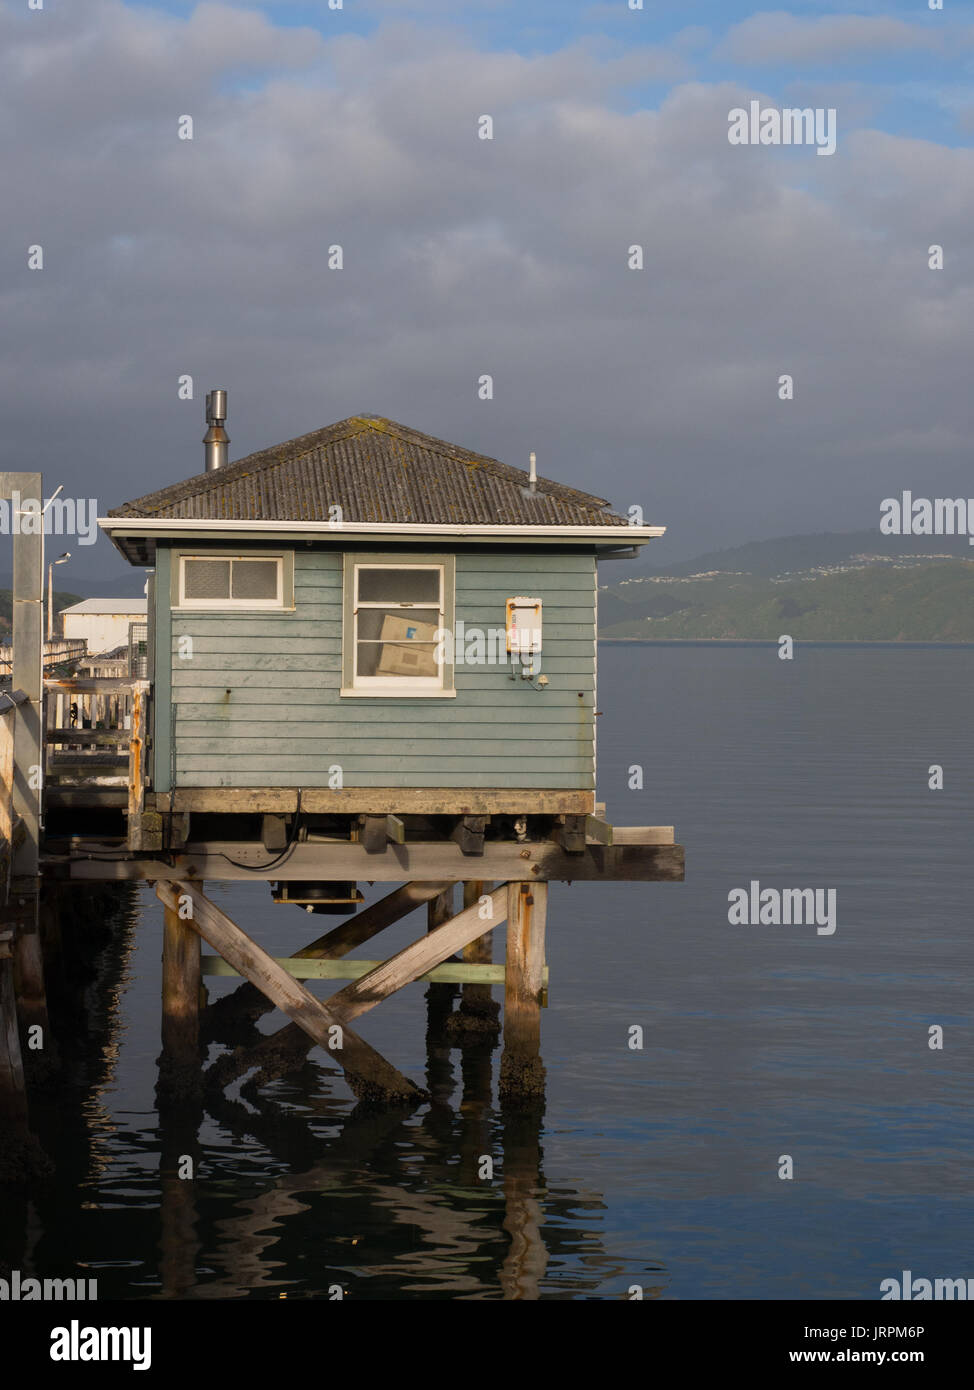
[
  {"x": 179, "y": 1158},
  {"x": 440, "y": 1080},
  {"x": 246, "y": 1239},
  {"x": 19, "y": 1151},
  {"x": 475, "y": 1138},
  {"x": 41, "y": 1050},
  {"x": 453, "y": 1230},
  {"x": 527, "y": 1260}
]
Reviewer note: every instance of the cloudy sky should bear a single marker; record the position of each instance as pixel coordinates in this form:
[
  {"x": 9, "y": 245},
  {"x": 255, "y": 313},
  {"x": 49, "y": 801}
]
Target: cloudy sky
[{"x": 358, "y": 127}]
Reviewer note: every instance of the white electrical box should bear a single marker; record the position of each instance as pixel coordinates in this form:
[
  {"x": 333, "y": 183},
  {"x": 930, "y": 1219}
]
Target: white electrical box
[{"x": 524, "y": 626}]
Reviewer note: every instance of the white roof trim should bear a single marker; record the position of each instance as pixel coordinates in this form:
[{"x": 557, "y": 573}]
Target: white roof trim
[{"x": 141, "y": 526}]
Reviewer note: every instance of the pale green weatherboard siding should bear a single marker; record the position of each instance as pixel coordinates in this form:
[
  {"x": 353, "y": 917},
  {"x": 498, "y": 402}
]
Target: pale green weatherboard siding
[{"x": 283, "y": 724}]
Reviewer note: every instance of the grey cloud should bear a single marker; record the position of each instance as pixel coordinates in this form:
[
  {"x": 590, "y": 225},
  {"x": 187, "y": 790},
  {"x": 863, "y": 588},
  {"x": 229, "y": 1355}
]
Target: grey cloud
[
  {"x": 779, "y": 37},
  {"x": 464, "y": 257}
]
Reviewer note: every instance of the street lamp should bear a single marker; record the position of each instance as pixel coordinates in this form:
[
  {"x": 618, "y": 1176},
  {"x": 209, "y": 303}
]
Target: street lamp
[{"x": 50, "y": 592}]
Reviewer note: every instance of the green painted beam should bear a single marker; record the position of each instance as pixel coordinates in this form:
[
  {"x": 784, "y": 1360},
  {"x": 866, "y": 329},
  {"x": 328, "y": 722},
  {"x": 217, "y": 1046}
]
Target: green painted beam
[{"x": 450, "y": 973}]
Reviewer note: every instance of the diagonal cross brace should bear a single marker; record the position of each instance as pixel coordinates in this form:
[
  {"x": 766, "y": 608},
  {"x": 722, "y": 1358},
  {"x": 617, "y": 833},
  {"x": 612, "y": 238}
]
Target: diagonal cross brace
[
  {"x": 284, "y": 1050},
  {"x": 369, "y": 1074}
]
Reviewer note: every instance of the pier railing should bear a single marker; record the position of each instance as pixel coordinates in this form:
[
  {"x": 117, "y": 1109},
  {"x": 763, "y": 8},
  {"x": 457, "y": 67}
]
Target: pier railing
[
  {"x": 96, "y": 740},
  {"x": 58, "y": 650}
]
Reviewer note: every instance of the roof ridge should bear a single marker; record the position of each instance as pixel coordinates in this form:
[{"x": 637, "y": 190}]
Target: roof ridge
[{"x": 357, "y": 453}]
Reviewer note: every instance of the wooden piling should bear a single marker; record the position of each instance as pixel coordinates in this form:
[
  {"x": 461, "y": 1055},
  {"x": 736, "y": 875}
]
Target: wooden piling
[
  {"x": 179, "y": 1065},
  {"x": 439, "y": 998},
  {"x": 478, "y": 1016},
  {"x": 522, "y": 1072},
  {"x": 31, "y": 991}
]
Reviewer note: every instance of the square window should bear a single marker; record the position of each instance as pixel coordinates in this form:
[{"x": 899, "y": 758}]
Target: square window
[
  {"x": 203, "y": 579},
  {"x": 396, "y": 613},
  {"x": 227, "y": 582}
]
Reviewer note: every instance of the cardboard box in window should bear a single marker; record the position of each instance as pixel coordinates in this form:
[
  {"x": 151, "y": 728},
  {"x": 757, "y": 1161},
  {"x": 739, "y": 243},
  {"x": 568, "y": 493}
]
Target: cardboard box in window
[{"x": 401, "y": 653}]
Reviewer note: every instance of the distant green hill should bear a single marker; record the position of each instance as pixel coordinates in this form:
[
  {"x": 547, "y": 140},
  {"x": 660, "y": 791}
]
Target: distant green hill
[
  {"x": 915, "y": 602},
  {"x": 61, "y": 600},
  {"x": 798, "y": 553}
]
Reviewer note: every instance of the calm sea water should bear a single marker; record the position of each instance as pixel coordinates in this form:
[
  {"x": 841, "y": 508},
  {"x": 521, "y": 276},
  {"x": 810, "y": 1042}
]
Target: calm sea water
[{"x": 656, "y": 1167}]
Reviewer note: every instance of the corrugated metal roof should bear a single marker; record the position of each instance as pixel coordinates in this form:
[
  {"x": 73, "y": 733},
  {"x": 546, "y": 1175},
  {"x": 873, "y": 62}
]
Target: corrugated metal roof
[
  {"x": 377, "y": 471},
  {"x": 109, "y": 606}
]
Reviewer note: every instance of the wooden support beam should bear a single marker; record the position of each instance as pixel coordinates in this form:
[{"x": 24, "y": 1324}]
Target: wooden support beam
[
  {"x": 179, "y": 1065},
  {"x": 417, "y": 860},
  {"x": 570, "y": 834},
  {"x": 377, "y": 831},
  {"x": 395, "y": 830},
  {"x": 371, "y": 920},
  {"x": 369, "y": 1074},
  {"x": 424, "y": 801},
  {"x": 598, "y": 831},
  {"x": 468, "y": 833},
  {"x": 470, "y": 974},
  {"x": 642, "y": 834},
  {"x": 273, "y": 832},
  {"x": 522, "y": 1073},
  {"x": 372, "y": 834},
  {"x": 454, "y": 972},
  {"x": 414, "y": 961},
  {"x": 176, "y": 828}
]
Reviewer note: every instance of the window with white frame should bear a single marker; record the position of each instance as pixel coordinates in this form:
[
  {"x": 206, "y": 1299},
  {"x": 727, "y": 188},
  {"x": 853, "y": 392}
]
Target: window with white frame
[
  {"x": 396, "y": 612},
  {"x": 227, "y": 582}
]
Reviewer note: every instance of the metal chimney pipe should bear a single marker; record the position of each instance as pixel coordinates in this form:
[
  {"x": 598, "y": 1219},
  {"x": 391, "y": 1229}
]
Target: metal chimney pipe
[
  {"x": 216, "y": 441},
  {"x": 533, "y": 475}
]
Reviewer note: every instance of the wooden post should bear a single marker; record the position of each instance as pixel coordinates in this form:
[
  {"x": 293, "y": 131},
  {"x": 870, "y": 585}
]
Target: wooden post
[
  {"x": 31, "y": 991},
  {"x": 179, "y": 1065},
  {"x": 522, "y": 1072},
  {"x": 479, "y": 1012},
  {"x": 144, "y": 827},
  {"x": 439, "y": 998}
]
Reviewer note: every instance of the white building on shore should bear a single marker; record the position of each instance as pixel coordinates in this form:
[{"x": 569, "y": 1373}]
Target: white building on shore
[{"x": 103, "y": 622}]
